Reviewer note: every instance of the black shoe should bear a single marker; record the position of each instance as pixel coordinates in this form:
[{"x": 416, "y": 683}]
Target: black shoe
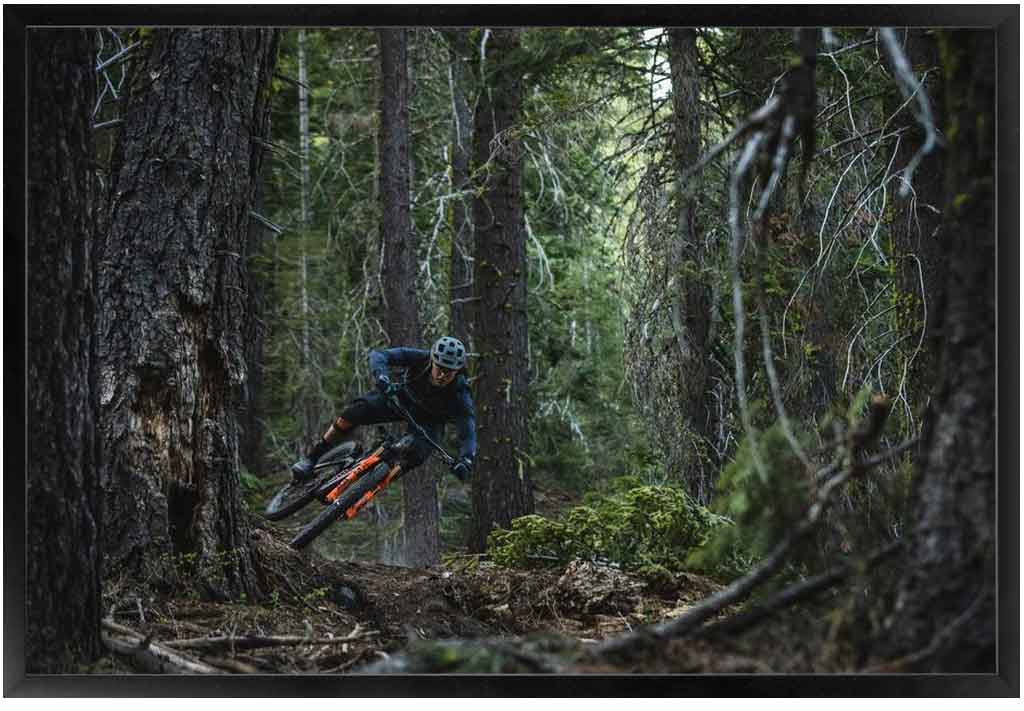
[{"x": 302, "y": 470}]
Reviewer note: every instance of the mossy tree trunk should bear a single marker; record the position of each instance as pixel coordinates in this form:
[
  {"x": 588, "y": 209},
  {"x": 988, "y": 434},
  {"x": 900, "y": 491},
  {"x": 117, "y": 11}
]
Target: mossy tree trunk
[
  {"x": 174, "y": 296},
  {"x": 62, "y": 477},
  {"x": 944, "y": 614},
  {"x": 501, "y": 484}
]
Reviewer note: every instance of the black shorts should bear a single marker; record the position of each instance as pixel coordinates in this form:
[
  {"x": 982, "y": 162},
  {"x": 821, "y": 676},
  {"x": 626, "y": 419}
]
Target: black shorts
[{"x": 373, "y": 409}]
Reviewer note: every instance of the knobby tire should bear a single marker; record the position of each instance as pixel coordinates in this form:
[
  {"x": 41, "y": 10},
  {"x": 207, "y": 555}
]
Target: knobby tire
[
  {"x": 294, "y": 497},
  {"x": 338, "y": 508}
]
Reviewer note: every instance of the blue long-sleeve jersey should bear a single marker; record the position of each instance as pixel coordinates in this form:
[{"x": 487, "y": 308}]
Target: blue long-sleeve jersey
[{"x": 450, "y": 403}]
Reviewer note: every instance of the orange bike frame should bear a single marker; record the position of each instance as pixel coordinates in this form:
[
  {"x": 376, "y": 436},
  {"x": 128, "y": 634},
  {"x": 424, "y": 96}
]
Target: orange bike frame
[
  {"x": 365, "y": 498},
  {"x": 367, "y": 463}
]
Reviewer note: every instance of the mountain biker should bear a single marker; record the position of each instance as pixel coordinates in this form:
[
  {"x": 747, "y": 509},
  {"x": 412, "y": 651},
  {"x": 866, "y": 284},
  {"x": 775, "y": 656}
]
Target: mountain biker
[{"x": 435, "y": 392}]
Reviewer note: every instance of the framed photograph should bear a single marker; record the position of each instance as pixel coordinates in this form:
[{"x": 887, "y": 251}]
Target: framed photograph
[{"x": 512, "y": 351}]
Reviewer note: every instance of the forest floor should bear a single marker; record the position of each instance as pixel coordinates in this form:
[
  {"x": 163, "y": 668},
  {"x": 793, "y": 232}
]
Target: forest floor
[{"x": 468, "y": 615}]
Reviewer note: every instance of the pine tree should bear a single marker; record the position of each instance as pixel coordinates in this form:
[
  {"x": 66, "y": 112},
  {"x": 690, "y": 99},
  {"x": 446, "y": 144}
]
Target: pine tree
[{"x": 501, "y": 483}]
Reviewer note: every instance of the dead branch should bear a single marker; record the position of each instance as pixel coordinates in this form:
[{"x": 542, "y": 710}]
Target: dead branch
[
  {"x": 793, "y": 595},
  {"x": 120, "y": 56},
  {"x": 233, "y": 665},
  {"x": 255, "y": 642},
  {"x": 757, "y": 119},
  {"x": 149, "y": 655},
  {"x": 831, "y": 470},
  {"x": 911, "y": 89}
]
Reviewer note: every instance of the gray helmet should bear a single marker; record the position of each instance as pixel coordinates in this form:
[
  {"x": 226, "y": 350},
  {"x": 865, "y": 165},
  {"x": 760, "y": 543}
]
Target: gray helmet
[{"x": 449, "y": 353}]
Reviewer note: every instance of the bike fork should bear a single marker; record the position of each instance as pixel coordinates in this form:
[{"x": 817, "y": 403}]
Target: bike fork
[{"x": 355, "y": 508}]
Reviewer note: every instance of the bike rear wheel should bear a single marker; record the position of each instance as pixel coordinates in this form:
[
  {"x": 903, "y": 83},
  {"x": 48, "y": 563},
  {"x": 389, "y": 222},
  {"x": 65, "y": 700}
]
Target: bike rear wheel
[
  {"x": 337, "y": 509},
  {"x": 294, "y": 496}
]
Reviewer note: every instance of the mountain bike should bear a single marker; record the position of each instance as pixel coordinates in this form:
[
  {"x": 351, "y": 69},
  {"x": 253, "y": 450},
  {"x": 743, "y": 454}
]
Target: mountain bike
[{"x": 345, "y": 490}]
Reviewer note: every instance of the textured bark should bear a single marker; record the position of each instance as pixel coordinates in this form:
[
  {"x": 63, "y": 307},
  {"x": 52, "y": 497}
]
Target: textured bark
[
  {"x": 173, "y": 289},
  {"x": 461, "y": 214},
  {"x": 760, "y": 65},
  {"x": 62, "y": 482},
  {"x": 250, "y": 444},
  {"x": 501, "y": 485},
  {"x": 916, "y": 222},
  {"x": 691, "y": 308},
  {"x": 946, "y": 600},
  {"x": 307, "y": 397},
  {"x": 419, "y": 490}
]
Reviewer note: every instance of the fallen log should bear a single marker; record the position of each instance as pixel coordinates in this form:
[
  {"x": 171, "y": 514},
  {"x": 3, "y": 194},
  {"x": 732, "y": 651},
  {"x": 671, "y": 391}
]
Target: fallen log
[{"x": 148, "y": 655}]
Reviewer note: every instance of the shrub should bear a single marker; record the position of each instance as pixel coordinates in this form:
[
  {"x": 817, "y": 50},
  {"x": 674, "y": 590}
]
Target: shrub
[{"x": 639, "y": 527}]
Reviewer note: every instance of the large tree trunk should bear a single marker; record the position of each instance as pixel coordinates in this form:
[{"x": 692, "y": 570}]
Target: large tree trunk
[
  {"x": 461, "y": 215},
  {"x": 62, "y": 547},
  {"x": 501, "y": 486},
  {"x": 173, "y": 294},
  {"x": 691, "y": 300},
  {"x": 944, "y": 614},
  {"x": 420, "y": 525}
]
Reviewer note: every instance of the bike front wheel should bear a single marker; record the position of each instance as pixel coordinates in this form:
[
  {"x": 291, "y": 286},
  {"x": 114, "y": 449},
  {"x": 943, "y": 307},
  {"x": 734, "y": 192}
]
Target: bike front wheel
[
  {"x": 337, "y": 509},
  {"x": 294, "y": 496}
]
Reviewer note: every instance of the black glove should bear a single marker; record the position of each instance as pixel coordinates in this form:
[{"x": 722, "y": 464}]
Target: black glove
[
  {"x": 462, "y": 468},
  {"x": 385, "y": 385}
]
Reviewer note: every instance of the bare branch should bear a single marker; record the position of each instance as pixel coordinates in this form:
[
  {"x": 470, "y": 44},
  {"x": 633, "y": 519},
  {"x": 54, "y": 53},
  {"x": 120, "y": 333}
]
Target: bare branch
[
  {"x": 736, "y": 228},
  {"x": 794, "y": 594},
  {"x": 911, "y": 88},
  {"x": 756, "y": 119},
  {"x": 256, "y": 642}
]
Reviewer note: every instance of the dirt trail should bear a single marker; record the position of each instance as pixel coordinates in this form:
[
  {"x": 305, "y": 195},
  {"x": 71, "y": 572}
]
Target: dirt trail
[
  {"x": 328, "y": 616},
  {"x": 384, "y": 609}
]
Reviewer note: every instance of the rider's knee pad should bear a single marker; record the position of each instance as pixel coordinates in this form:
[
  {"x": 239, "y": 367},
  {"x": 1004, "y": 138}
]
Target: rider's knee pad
[{"x": 339, "y": 427}]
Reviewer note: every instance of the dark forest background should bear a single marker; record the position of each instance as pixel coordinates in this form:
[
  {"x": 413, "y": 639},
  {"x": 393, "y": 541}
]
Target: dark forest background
[{"x": 729, "y": 297}]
